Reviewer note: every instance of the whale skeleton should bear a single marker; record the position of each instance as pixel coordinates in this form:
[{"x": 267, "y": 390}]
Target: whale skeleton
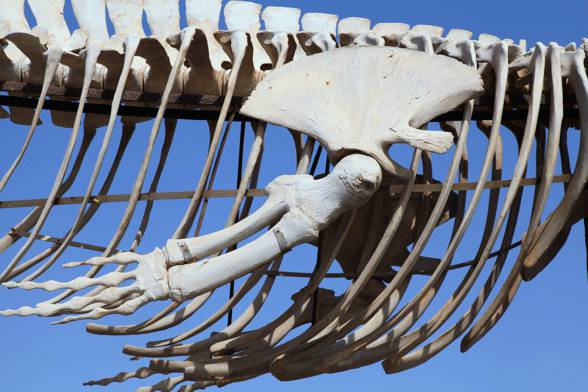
[{"x": 349, "y": 87}]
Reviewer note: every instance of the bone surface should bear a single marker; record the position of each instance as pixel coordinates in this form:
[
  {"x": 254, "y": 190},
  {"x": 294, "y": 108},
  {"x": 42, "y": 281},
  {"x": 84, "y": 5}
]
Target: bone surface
[{"x": 340, "y": 88}]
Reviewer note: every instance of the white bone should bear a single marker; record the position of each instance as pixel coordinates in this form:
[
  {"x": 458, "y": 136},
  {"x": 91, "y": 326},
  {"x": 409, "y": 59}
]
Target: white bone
[
  {"x": 49, "y": 16},
  {"x": 487, "y": 39},
  {"x": 312, "y": 206},
  {"x": 52, "y": 64},
  {"x": 354, "y": 25},
  {"x": 12, "y": 11},
  {"x": 126, "y": 16},
  {"x": 91, "y": 59},
  {"x": 188, "y": 281},
  {"x": 343, "y": 124},
  {"x": 395, "y": 29},
  {"x": 332, "y": 88},
  {"x": 319, "y": 32},
  {"x": 109, "y": 280},
  {"x": 571, "y": 47},
  {"x": 91, "y": 15},
  {"x": 281, "y": 25},
  {"x": 314, "y": 22},
  {"x": 457, "y": 35},
  {"x": 203, "y": 246},
  {"x": 356, "y": 31},
  {"x": 281, "y": 19},
  {"x": 163, "y": 17},
  {"x": 428, "y": 30},
  {"x": 204, "y": 13},
  {"x": 242, "y": 15},
  {"x": 369, "y": 39},
  {"x": 150, "y": 283}
]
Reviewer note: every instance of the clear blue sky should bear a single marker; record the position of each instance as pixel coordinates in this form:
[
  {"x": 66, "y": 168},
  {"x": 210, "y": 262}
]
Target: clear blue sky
[{"x": 540, "y": 345}]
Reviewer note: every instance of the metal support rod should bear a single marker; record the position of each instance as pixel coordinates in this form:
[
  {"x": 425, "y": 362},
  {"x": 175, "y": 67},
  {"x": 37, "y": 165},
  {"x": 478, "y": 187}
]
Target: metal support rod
[
  {"x": 288, "y": 274},
  {"x": 284, "y": 274},
  {"x": 239, "y": 177},
  {"x": 205, "y": 108},
  {"x": 223, "y": 194}
]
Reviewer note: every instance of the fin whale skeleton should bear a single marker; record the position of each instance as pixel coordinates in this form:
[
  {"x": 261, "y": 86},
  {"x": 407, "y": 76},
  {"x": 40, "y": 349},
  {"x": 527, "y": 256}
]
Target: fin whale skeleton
[{"x": 354, "y": 89}]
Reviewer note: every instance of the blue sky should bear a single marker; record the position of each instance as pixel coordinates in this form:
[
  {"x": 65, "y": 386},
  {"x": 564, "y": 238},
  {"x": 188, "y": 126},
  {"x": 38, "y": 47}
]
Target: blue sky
[{"x": 540, "y": 345}]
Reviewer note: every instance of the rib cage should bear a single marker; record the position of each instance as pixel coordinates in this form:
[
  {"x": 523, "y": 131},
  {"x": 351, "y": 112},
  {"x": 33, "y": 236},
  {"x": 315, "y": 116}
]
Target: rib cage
[{"x": 196, "y": 78}]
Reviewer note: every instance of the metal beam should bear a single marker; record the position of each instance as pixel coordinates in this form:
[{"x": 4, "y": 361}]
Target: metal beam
[
  {"x": 216, "y": 194},
  {"x": 206, "y": 108}
]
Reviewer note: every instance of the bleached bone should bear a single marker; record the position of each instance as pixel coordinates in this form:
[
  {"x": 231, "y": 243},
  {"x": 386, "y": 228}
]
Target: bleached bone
[
  {"x": 273, "y": 243},
  {"x": 352, "y": 27},
  {"x": 318, "y": 32},
  {"x": 293, "y": 198},
  {"x": 259, "y": 363},
  {"x": 13, "y": 14},
  {"x": 244, "y": 16},
  {"x": 319, "y": 114},
  {"x": 163, "y": 17},
  {"x": 203, "y": 13},
  {"x": 315, "y": 22},
  {"x": 487, "y": 39},
  {"x": 240, "y": 46},
  {"x": 278, "y": 330},
  {"x": 130, "y": 49},
  {"x": 392, "y": 33},
  {"x": 151, "y": 283},
  {"x": 452, "y": 45},
  {"x": 92, "y": 19},
  {"x": 418, "y": 41},
  {"x": 249, "y": 177},
  {"x": 91, "y": 61},
  {"x": 140, "y": 178},
  {"x": 221, "y": 312},
  {"x": 49, "y": 16},
  {"x": 431, "y": 31},
  {"x": 242, "y": 57},
  {"x": 290, "y": 367},
  {"x": 420, "y": 356},
  {"x": 138, "y": 182},
  {"x": 299, "y": 199},
  {"x": 541, "y": 243},
  {"x": 236, "y": 327},
  {"x": 572, "y": 66},
  {"x": 206, "y": 56},
  {"x": 52, "y": 64},
  {"x": 131, "y": 45},
  {"x": 385, "y": 29},
  {"x": 366, "y": 273},
  {"x": 284, "y": 19},
  {"x": 126, "y": 16},
  {"x": 280, "y": 38},
  {"x": 459, "y": 35},
  {"x": 357, "y": 31},
  {"x": 244, "y": 319},
  {"x": 29, "y": 221},
  {"x": 97, "y": 41}
]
